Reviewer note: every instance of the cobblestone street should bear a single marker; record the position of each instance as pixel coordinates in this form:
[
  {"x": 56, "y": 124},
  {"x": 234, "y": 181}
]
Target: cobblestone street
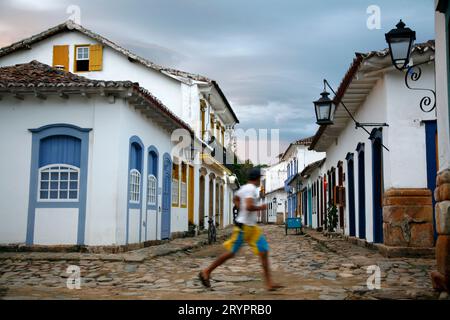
[{"x": 307, "y": 269}]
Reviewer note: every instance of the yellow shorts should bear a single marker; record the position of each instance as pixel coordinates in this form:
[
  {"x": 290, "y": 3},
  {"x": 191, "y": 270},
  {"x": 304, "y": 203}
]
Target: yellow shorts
[{"x": 250, "y": 234}]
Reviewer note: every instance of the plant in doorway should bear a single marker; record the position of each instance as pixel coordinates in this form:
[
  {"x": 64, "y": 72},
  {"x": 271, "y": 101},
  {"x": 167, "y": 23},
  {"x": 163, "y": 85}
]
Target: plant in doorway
[{"x": 332, "y": 218}]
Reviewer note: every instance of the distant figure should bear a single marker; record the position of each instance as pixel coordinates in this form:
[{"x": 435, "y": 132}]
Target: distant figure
[{"x": 245, "y": 230}]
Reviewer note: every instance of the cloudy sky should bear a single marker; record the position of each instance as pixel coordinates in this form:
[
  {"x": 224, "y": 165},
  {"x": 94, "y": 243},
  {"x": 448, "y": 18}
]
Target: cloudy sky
[{"x": 269, "y": 56}]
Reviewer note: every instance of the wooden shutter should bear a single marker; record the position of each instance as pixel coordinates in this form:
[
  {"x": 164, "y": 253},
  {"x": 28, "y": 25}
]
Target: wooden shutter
[
  {"x": 96, "y": 57},
  {"x": 61, "y": 56}
]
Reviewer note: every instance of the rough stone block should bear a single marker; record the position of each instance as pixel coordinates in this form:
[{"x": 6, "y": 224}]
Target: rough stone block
[
  {"x": 421, "y": 235},
  {"x": 443, "y": 177},
  {"x": 408, "y": 218},
  {"x": 443, "y": 217},
  {"x": 443, "y": 255},
  {"x": 393, "y": 236},
  {"x": 442, "y": 192}
]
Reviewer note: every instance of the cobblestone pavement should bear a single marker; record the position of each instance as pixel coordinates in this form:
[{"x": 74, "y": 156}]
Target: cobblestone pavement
[{"x": 307, "y": 269}]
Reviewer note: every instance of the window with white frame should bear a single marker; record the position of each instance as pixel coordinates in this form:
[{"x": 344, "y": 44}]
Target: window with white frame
[
  {"x": 135, "y": 186},
  {"x": 82, "y": 53},
  {"x": 59, "y": 182},
  {"x": 151, "y": 190}
]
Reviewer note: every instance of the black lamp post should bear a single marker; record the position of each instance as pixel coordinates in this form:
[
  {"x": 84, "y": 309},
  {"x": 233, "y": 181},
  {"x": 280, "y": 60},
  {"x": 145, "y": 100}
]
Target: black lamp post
[
  {"x": 400, "y": 41},
  {"x": 325, "y": 108}
]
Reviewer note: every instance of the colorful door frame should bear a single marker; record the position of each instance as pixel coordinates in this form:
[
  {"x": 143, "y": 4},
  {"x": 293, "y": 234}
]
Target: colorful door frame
[
  {"x": 432, "y": 162},
  {"x": 361, "y": 192},
  {"x": 351, "y": 194},
  {"x": 37, "y": 136},
  {"x": 152, "y": 169},
  {"x": 377, "y": 184},
  {"x": 135, "y": 161}
]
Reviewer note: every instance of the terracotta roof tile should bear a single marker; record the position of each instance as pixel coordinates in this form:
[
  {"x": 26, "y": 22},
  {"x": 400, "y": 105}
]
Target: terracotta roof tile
[{"x": 36, "y": 75}]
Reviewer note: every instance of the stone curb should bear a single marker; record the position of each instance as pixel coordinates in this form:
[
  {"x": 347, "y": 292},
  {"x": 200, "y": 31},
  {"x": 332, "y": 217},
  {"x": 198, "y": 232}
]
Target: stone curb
[
  {"x": 386, "y": 251},
  {"x": 137, "y": 256}
]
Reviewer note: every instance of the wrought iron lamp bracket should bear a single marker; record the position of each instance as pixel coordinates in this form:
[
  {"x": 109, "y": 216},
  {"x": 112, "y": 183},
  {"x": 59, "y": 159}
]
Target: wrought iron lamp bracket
[{"x": 414, "y": 73}]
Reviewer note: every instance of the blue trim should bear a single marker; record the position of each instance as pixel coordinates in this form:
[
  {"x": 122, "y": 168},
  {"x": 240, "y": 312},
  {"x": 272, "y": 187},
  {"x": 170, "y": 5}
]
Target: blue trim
[
  {"x": 351, "y": 194},
  {"x": 361, "y": 191},
  {"x": 60, "y": 125},
  {"x": 166, "y": 196},
  {"x": 137, "y": 140},
  {"x": 152, "y": 168},
  {"x": 154, "y": 171},
  {"x": 430, "y": 136},
  {"x": 37, "y": 136},
  {"x": 377, "y": 184}
]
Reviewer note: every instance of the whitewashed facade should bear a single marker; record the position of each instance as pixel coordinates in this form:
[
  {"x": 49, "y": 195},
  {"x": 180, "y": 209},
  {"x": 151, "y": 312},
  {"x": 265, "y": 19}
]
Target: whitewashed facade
[
  {"x": 297, "y": 156},
  {"x": 274, "y": 193},
  {"x": 374, "y": 178},
  {"x": 186, "y": 96}
]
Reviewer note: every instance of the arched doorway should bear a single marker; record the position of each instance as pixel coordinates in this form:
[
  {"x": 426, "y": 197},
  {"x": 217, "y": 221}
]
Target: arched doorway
[
  {"x": 221, "y": 207},
  {"x": 377, "y": 184},
  {"x": 217, "y": 204},
  {"x": 201, "y": 202},
  {"x": 211, "y": 196}
]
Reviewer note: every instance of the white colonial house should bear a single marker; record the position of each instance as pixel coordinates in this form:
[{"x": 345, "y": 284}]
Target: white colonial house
[
  {"x": 297, "y": 156},
  {"x": 382, "y": 180},
  {"x": 140, "y": 206},
  {"x": 274, "y": 194}
]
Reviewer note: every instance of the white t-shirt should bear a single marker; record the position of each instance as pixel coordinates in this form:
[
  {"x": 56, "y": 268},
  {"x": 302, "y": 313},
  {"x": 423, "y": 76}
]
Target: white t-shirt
[{"x": 245, "y": 217}]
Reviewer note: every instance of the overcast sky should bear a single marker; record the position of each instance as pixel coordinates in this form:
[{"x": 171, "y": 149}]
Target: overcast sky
[{"x": 268, "y": 56}]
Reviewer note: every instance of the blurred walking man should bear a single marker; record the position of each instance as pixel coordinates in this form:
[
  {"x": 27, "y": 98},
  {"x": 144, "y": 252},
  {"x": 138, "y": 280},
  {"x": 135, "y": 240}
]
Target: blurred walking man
[{"x": 246, "y": 230}]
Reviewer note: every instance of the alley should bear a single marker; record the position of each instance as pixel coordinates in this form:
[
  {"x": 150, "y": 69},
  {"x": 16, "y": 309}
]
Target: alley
[{"x": 307, "y": 269}]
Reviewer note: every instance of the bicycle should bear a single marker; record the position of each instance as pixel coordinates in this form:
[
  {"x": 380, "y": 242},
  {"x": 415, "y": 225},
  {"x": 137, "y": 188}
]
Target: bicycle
[{"x": 212, "y": 231}]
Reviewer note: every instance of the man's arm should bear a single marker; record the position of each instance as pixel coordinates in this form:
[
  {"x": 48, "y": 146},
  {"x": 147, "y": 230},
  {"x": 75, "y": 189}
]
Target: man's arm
[{"x": 250, "y": 205}]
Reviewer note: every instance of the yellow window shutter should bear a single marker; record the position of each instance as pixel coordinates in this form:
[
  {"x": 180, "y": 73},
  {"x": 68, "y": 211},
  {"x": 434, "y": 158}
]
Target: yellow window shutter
[
  {"x": 61, "y": 56},
  {"x": 96, "y": 57}
]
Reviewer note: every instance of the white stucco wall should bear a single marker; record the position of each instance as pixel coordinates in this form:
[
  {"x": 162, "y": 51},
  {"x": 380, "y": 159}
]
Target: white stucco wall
[
  {"x": 116, "y": 66},
  {"x": 113, "y": 125},
  {"x": 405, "y": 164},
  {"x": 442, "y": 91}
]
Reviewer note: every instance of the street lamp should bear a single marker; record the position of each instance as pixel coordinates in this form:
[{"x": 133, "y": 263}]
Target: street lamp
[
  {"x": 400, "y": 41},
  {"x": 325, "y": 108}
]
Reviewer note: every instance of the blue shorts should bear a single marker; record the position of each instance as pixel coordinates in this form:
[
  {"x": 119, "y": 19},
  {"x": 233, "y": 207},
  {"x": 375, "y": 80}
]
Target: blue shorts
[{"x": 250, "y": 234}]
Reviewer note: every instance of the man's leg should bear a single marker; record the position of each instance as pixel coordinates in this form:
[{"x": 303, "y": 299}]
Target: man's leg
[
  {"x": 267, "y": 275},
  {"x": 218, "y": 262},
  {"x": 232, "y": 246}
]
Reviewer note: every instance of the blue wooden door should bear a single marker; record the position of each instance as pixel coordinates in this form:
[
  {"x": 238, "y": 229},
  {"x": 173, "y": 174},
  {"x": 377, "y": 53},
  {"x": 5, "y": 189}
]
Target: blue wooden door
[
  {"x": 310, "y": 204},
  {"x": 361, "y": 193},
  {"x": 377, "y": 185},
  {"x": 351, "y": 194},
  {"x": 166, "y": 197},
  {"x": 432, "y": 162}
]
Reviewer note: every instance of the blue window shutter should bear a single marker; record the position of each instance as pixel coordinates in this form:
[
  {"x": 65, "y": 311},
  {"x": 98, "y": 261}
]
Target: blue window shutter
[
  {"x": 136, "y": 158},
  {"x": 60, "y": 149}
]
